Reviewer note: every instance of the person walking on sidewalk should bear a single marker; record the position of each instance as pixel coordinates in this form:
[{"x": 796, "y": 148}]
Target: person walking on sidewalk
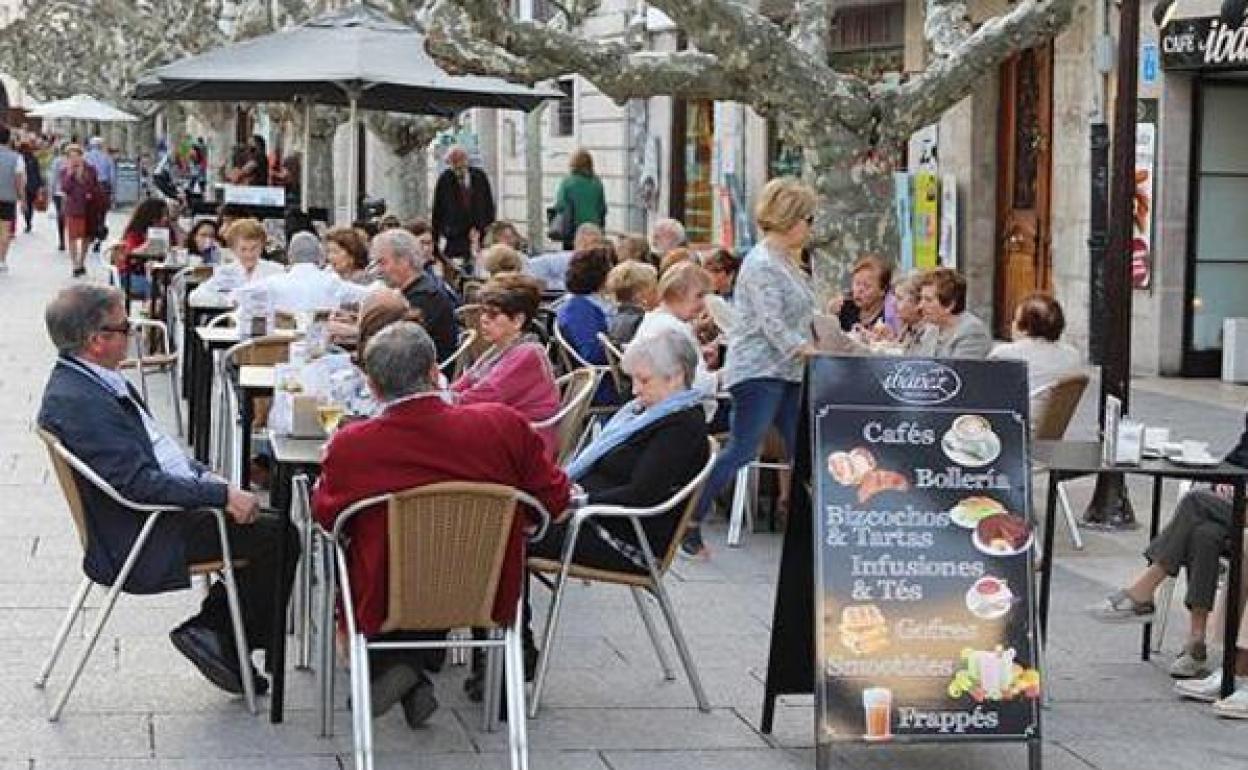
[
  {"x": 34, "y": 182},
  {"x": 80, "y": 188},
  {"x": 12, "y": 188},
  {"x": 101, "y": 162},
  {"x": 58, "y": 197}
]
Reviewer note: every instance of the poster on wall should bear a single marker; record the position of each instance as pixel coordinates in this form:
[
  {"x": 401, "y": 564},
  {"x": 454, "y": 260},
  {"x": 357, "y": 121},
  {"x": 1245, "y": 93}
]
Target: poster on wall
[
  {"x": 949, "y": 221},
  {"x": 905, "y": 220},
  {"x": 926, "y": 219},
  {"x": 925, "y": 625},
  {"x": 1143, "y": 202}
]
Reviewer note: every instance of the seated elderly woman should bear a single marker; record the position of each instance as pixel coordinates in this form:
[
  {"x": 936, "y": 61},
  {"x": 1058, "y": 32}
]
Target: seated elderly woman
[
  {"x": 959, "y": 333},
  {"x": 515, "y": 370},
  {"x": 583, "y": 313},
  {"x": 681, "y": 293},
  {"x": 651, "y": 447},
  {"x": 348, "y": 254},
  {"x": 633, "y": 286},
  {"x": 1038, "y": 326}
]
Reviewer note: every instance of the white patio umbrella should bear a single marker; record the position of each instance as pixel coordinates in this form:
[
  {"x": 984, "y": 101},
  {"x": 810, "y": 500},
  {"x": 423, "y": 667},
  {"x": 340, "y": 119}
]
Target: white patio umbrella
[
  {"x": 82, "y": 107},
  {"x": 357, "y": 58}
]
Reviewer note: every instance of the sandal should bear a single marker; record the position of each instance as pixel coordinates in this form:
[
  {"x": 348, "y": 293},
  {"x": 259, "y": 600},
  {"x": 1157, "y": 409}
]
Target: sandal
[{"x": 1119, "y": 607}]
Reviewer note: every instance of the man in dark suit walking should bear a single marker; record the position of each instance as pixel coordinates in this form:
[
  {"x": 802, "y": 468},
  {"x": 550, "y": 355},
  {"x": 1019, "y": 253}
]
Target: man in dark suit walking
[
  {"x": 98, "y": 416},
  {"x": 463, "y": 206}
]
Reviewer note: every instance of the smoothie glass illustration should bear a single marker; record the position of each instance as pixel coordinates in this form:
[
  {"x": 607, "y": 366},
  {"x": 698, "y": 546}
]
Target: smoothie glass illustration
[{"x": 877, "y": 702}]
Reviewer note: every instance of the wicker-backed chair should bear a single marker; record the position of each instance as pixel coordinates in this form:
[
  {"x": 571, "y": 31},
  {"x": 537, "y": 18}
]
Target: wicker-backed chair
[
  {"x": 651, "y": 583},
  {"x": 72, "y": 472},
  {"x": 154, "y": 354},
  {"x": 454, "y": 365},
  {"x": 1052, "y": 408},
  {"x": 258, "y": 351},
  {"x": 615, "y": 356},
  {"x": 577, "y": 390},
  {"x": 447, "y": 550}
]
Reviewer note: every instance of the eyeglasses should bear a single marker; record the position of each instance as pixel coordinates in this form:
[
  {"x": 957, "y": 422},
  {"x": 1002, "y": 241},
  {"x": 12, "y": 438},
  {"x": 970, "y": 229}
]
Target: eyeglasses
[
  {"x": 117, "y": 329},
  {"x": 810, "y": 219}
]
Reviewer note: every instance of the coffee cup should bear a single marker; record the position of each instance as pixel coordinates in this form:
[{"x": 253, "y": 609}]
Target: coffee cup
[
  {"x": 1195, "y": 450},
  {"x": 972, "y": 433}
]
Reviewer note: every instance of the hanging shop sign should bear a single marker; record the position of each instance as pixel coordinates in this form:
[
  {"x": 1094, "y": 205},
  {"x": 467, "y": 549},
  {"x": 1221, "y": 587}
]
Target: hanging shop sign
[{"x": 1205, "y": 43}]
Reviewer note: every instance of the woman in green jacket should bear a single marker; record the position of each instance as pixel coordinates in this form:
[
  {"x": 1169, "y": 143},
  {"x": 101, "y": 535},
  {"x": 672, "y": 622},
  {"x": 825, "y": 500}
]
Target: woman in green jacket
[{"x": 581, "y": 195}]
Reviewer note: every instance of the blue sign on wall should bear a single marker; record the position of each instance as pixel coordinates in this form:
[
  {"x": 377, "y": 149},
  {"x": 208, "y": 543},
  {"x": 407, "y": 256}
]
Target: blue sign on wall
[{"x": 1150, "y": 64}]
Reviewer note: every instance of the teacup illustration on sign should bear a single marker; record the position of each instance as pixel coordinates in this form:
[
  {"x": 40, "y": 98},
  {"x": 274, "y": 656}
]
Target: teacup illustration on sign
[
  {"x": 989, "y": 598},
  {"x": 970, "y": 441}
]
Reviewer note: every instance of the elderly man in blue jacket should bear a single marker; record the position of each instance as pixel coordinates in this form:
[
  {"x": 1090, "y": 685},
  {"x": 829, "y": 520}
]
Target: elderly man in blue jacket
[{"x": 99, "y": 417}]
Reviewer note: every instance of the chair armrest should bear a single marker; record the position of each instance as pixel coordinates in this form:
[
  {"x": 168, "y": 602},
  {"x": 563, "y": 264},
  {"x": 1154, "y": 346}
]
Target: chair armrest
[{"x": 542, "y": 514}]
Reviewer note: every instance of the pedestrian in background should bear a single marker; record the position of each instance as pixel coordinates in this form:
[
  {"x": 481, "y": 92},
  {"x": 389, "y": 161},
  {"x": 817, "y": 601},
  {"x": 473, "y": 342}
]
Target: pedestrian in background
[
  {"x": 101, "y": 162},
  {"x": 79, "y": 187},
  {"x": 580, "y": 196},
  {"x": 35, "y": 190},
  {"x": 463, "y": 207},
  {"x": 12, "y": 187},
  {"x": 58, "y": 197}
]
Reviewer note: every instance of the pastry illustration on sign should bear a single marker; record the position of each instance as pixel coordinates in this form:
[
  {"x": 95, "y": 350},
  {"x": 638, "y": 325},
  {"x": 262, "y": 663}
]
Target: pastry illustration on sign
[
  {"x": 993, "y": 675},
  {"x": 971, "y": 441},
  {"x": 1002, "y": 534},
  {"x": 863, "y": 629},
  {"x": 989, "y": 598},
  {"x": 972, "y": 510},
  {"x": 857, "y": 468}
]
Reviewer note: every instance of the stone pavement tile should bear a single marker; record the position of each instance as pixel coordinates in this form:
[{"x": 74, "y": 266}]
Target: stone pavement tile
[
  {"x": 720, "y": 650},
  {"x": 23, "y": 518},
  {"x": 793, "y": 727},
  {"x": 1096, "y": 682},
  {"x": 38, "y": 625},
  {"x": 49, "y": 595},
  {"x": 21, "y": 659},
  {"x": 1183, "y": 722},
  {"x": 102, "y": 736},
  {"x": 323, "y": 762},
  {"x": 643, "y": 686},
  {"x": 1131, "y": 753},
  {"x": 183, "y": 691},
  {"x": 538, "y": 760},
  {"x": 738, "y": 759},
  {"x": 620, "y": 728},
  {"x": 956, "y": 756}
]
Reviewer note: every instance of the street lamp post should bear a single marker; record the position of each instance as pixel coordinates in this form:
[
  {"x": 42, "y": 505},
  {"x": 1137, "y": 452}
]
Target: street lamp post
[{"x": 1110, "y": 506}]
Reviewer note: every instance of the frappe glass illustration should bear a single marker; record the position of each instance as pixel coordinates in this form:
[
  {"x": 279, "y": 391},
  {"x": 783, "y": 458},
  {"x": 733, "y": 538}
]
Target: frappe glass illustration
[{"x": 877, "y": 703}]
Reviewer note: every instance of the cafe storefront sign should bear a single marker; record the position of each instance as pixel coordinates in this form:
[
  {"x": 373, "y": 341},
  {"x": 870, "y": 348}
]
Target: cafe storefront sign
[{"x": 1204, "y": 43}]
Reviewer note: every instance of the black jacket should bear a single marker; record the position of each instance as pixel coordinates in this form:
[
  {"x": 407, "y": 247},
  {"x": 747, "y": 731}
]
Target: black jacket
[
  {"x": 453, "y": 217},
  {"x": 107, "y": 433},
  {"x": 436, "y": 310},
  {"x": 646, "y": 470}
]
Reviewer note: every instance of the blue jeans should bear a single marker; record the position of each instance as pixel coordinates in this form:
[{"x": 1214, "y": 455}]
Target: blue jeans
[{"x": 756, "y": 406}]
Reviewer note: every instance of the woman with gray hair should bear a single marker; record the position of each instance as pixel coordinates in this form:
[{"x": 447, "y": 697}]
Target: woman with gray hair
[{"x": 651, "y": 447}]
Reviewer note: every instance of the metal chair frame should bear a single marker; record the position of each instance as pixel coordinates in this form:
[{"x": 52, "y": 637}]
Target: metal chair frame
[
  {"x": 510, "y": 644},
  {"x": 1056, "y": 430},
  {"x": 163, "y": 360},
  {"x": 651, "y": 583},
  {"x": 225, "y": 567},
  {"x": 574, "y": 408}
]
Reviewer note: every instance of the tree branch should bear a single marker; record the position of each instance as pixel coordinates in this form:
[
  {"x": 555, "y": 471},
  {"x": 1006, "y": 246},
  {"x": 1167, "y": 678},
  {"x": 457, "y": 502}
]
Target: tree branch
[
  {"x": 946, "y": 81},
  {"x": 521, "y": 51},
  {"x": 946, "y": 25}
]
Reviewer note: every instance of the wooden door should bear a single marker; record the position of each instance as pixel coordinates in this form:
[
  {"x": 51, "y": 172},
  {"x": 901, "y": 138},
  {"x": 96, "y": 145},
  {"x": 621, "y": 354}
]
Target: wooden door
[{"x": 1024, "y": 262}]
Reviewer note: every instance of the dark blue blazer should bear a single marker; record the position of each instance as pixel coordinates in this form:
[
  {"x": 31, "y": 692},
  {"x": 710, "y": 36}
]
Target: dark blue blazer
[{"x": 107, "y": 433}]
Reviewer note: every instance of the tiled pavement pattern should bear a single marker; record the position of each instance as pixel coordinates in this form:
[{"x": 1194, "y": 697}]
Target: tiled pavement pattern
[{"x": 140, "y": 706}]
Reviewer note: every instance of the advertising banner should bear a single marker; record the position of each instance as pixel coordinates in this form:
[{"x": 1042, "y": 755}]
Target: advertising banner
[
  {"x": 923, "y": 547},
  {"x": 1143, "y": 203}
]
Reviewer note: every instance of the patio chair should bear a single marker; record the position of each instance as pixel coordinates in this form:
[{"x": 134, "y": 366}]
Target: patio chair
[
  {"x": 745, "y": 490},
  {"x": 156, "y": 358},
  {"x": 615, "y": 355},
  {"x": 447, "y": 550},
  {"x": 454, "y": 364},
  {"x": 577, "y": 390},
  {"x": 1052, "y": 408},
  {"x": 258, "y": 351},
  {"x": 72, "y": 472},
  {"x": 652, "y": 582}
]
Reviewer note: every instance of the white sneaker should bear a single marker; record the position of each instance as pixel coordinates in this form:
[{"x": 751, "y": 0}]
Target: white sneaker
[
  {"x": 1235, "y": 705},
  {"x": 1206, "y": 689},
  {"x": 1192, "y": 662}
]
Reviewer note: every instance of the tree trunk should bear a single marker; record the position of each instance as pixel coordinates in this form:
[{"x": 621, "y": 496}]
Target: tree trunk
[
  {"x": 414, "y": 185},
  {"x": 536, "y": 212},
  {"x": 218, "y": 121},
  {"x": 320, "y": 158},
  {"x": 857, "y": 213}
]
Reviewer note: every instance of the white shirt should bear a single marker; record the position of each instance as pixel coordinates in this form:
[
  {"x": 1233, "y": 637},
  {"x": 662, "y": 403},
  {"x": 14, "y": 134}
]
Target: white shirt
[
  {"x": 551, "y": 269},
  {"x": 210, "y": 292},
  {"x": 170, "y": 456},
  {"x": 1046, "y": 361},
  {"x": 704, "y": 380},
  {"x": 305, "y": 287}
]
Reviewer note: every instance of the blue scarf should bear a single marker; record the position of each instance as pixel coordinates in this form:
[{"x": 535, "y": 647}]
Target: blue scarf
[{"x": 632, "y": 418}]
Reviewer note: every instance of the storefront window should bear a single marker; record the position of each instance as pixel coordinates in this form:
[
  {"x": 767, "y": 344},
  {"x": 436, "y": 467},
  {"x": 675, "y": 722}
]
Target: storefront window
[{"x": 699, "y": 144}]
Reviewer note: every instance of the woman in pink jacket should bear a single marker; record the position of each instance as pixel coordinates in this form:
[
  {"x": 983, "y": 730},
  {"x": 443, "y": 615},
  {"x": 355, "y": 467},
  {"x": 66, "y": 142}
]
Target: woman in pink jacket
[{"x": 515, "y": 370}]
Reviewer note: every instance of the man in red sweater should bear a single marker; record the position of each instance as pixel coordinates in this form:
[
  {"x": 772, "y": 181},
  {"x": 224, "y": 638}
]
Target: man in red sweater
[{"x": 419, "y": 439}]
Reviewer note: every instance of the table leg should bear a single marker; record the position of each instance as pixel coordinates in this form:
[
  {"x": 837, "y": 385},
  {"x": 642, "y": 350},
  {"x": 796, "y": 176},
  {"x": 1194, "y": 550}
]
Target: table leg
[
  {"x": 275, "y": 656},
  {"x": 203, "y": 401},
  {"x": 1154, "y": 523},
  {"x": 1231, "y": 632},
  {"x": 125, "y": 286},
  {"x": 247, "y": 408},
  {"x": 1046, "y": 559}
]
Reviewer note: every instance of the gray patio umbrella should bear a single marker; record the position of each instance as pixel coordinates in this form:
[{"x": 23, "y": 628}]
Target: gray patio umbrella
[{"x": 357, "y": 58}]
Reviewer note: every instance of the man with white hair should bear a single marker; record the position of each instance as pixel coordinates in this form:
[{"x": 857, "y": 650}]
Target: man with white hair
[
  {"x": 463, "y": 206},
  {"x": 401, "y": 261},
  {"x": 666, "y": 235},
  {"x": 306, "y": 287}
]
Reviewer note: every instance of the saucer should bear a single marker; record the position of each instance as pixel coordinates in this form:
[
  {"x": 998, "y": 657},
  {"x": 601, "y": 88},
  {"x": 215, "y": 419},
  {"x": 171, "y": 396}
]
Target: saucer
[
  {"x": 960, "y": 456},
  {"x": 1208, "y": 461}
]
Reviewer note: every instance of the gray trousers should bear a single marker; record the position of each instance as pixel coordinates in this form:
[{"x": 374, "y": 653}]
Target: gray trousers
[{"x": 1194, "y": 539}]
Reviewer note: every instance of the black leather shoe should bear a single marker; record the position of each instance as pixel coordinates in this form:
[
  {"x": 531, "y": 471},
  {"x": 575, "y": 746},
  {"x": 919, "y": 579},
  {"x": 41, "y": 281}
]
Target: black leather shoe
[
  {"x": 419, "y": 704},
  {"x": 209, "y": 653}
]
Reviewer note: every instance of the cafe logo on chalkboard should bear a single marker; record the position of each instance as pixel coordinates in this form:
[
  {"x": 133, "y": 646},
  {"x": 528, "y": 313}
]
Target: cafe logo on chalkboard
[
  {"x": 922, "y": 383},
  {"x": 1204, "y": 43}
]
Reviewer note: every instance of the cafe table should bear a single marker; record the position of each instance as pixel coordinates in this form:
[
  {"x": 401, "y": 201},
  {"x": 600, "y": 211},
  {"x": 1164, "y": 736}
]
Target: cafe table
[
  {"x": 196, "y": 361},
  {"x": 291, "y": 456},
  {"x": 1066, "y": 460},
  {"x": 254, "y": 381}
]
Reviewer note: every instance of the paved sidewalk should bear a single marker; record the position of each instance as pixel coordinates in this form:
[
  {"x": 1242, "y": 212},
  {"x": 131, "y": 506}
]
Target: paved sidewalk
[{"x": 141, "y": 705}]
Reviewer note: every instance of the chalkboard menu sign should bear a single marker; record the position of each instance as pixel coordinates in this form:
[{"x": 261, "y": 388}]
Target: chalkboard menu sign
[{"x": 923, "y": 540}]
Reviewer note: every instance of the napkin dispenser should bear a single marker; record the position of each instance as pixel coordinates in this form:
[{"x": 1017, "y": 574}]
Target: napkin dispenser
[
  {"x": 1130, "y": 445},
  {"x": 304, "y": 422}
]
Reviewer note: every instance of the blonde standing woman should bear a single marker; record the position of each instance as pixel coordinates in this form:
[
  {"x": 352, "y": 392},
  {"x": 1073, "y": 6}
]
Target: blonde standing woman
[{"x": 770, "y": 340}]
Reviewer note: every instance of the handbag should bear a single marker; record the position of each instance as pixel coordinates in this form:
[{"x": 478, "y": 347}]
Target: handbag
[
  {"x": 557, "y": 225},
  {"x": 41, "y": 199}
]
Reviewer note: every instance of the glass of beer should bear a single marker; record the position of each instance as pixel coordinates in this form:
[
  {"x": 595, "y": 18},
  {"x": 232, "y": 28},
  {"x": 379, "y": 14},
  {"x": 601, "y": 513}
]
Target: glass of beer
[
  {"x": 330, "y": 413},
  {"x": 877, "y": 702}
]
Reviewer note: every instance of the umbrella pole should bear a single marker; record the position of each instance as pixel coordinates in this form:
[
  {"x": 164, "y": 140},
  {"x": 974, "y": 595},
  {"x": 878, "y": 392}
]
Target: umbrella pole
[
  {"x": 305, "y": 165},
  {"x": 353, "y": 170}
]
